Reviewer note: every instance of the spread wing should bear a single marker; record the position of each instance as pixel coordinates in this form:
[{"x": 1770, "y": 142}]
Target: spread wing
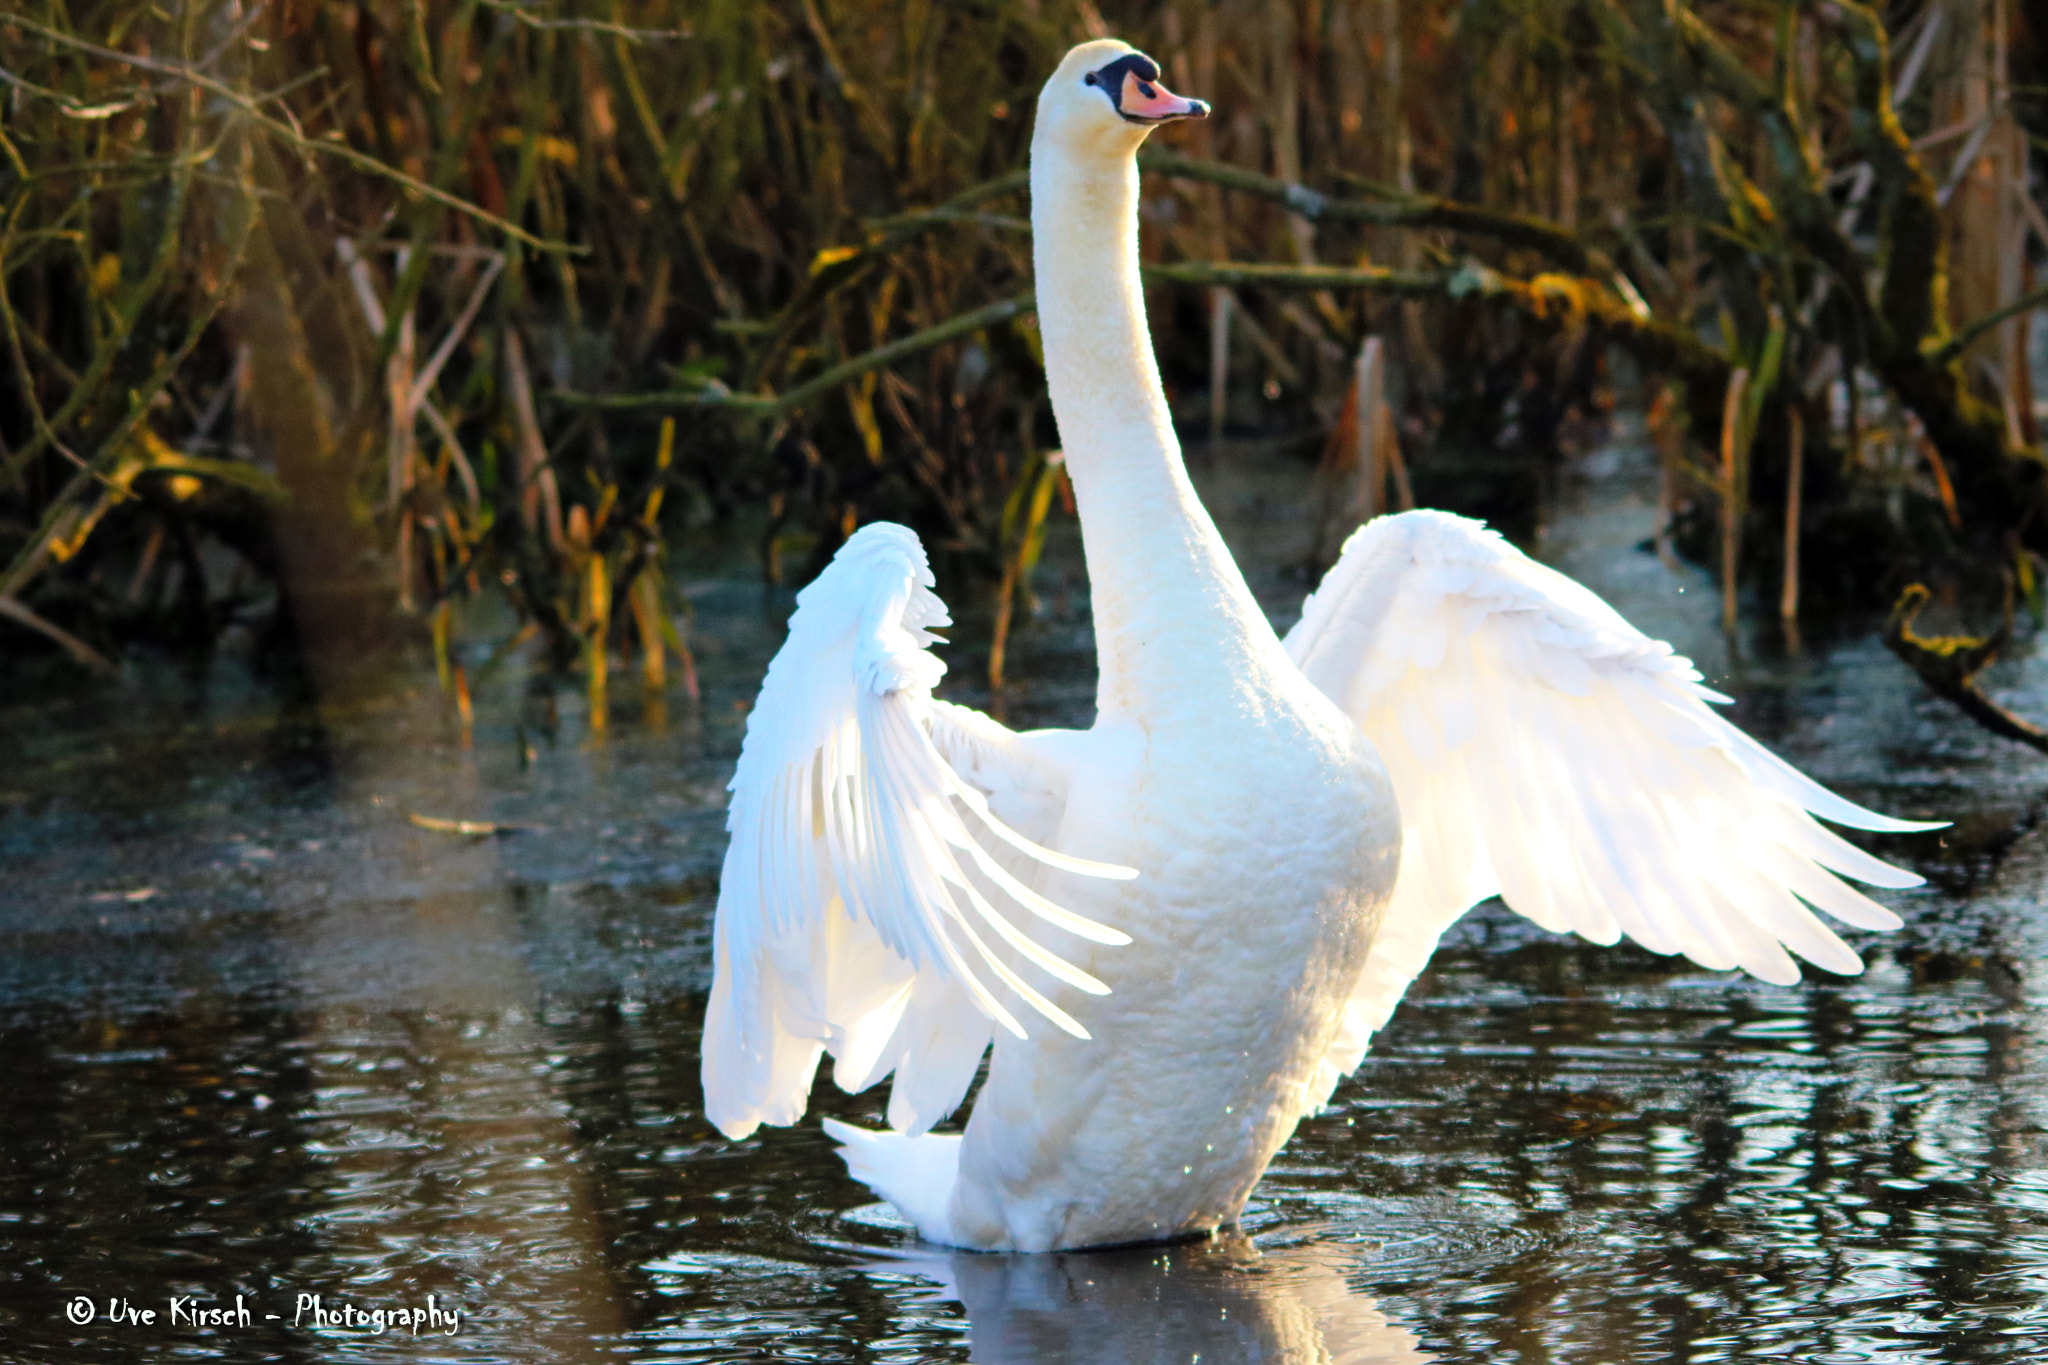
[
  {"x": 1545, "y": 750},
  {"x": 861, "y": 911}
]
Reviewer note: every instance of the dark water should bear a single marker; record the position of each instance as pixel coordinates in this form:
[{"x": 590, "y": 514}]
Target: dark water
[{"x": 262, "y": 1036}]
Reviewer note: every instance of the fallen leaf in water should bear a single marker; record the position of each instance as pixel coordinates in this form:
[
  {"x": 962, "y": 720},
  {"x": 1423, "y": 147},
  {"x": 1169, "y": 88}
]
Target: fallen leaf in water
[{"x": 440, "y": 826}]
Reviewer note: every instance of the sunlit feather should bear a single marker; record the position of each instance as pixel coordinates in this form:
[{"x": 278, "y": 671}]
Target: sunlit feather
[{"x": 1550, "y": 753}]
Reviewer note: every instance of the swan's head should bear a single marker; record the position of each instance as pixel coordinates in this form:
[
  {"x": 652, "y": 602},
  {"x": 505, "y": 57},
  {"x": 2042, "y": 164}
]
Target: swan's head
[{"x": 1104, "y": 99}]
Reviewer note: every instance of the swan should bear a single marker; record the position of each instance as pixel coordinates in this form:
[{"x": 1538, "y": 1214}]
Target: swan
[{"x": 1204, "y": 904}]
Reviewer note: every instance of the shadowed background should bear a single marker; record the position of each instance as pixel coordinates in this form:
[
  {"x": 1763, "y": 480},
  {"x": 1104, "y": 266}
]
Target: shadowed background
[{"x": 415, "y": 418}]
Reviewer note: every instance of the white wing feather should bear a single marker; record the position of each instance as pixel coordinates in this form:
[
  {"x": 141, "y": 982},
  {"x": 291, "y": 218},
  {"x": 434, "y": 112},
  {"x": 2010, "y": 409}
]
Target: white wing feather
[
  {"x": 848, "y": 920},
  {"x": 1545, "y": 750}
]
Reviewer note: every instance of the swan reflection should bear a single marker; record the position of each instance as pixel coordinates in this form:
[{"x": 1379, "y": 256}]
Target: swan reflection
[{"x": 1222, "y": 1300}]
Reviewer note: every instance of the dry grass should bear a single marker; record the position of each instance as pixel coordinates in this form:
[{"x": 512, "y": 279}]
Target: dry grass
[{"x": 336, "y": 303}]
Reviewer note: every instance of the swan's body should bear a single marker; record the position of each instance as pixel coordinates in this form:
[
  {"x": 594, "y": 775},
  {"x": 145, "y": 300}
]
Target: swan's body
[{"x": 1539, "y": 745}]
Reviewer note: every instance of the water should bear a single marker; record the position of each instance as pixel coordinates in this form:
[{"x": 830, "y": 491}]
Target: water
[{"x": 264, "y": 1036}]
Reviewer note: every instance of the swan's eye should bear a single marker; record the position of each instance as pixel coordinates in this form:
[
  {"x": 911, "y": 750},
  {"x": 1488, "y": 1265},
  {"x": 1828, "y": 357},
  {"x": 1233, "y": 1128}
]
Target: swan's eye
[{"x": 1089, "y": 79}]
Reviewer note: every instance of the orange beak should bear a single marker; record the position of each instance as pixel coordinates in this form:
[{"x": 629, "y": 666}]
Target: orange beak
[{"x": 1143, "y": 101}]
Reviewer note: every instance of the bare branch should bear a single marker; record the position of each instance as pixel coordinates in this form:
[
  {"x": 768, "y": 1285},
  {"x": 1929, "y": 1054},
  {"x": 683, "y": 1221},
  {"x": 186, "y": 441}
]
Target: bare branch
[
  {"x": 811, "y": 389},
  {"x": 1949, "y": 665},
  {"x": 1954, "y": 347},
  {"x": 75, "y": 647},
  {"x": 252, "y": 107},
  {"x": 1392, "y": 210}
]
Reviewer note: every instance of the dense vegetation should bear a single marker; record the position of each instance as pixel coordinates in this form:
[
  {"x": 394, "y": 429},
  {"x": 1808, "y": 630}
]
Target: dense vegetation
[{"x": 326, "y": 318}]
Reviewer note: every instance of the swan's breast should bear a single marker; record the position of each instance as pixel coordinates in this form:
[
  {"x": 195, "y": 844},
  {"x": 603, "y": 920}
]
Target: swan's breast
[
  {"x": 1237, "y": 810},
  {"x": 1266, "y": 838}
]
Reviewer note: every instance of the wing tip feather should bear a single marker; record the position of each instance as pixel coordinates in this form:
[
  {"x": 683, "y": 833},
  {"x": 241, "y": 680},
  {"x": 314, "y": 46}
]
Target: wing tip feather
[{"x": 1889, "y": 824}]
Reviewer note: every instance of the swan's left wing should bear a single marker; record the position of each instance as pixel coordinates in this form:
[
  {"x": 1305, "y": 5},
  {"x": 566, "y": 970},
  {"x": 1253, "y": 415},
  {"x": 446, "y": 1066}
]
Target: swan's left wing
[
  {"x": 1545, "y": 750},
  {"x": 863, "y": 910}
]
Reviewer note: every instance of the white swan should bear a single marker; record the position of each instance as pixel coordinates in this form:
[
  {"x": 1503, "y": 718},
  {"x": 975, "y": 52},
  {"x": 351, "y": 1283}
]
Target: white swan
[{"x": 1222, "y": 928}]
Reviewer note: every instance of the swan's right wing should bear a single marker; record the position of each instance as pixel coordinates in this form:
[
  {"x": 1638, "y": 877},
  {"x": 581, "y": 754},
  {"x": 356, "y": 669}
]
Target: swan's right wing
[{"x": 860, "y": 892}]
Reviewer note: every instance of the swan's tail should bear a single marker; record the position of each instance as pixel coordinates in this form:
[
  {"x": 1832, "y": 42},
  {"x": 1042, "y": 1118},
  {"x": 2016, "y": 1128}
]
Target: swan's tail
[{"x": 916, "y": 1174}]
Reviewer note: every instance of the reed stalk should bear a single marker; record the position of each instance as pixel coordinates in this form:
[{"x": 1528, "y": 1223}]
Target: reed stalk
[{"x": 1729, "y": 487}]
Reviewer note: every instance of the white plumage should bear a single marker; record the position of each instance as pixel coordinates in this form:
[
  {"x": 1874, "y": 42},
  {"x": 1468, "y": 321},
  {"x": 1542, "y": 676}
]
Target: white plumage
[
  {"x": 1221, "y": 928},
  {"x": 856, "y": 927},
  {"x": 1544, "y": 750}
]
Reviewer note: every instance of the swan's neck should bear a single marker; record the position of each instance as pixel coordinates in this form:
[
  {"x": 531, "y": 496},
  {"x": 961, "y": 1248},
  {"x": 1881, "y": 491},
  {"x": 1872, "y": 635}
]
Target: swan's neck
[{"x": 1173, "y": 618}]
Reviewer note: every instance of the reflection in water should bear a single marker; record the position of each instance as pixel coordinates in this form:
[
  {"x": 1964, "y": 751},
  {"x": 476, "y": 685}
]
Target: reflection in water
[
  {"x": 1220, "y": 1300},
  {"x": 263, "y": 1036},
  {"x": 440, "y": 1127}
]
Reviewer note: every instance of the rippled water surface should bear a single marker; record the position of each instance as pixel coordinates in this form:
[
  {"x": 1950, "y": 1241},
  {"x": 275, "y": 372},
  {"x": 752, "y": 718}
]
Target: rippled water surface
[{"x": 263, "y": 1036}]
